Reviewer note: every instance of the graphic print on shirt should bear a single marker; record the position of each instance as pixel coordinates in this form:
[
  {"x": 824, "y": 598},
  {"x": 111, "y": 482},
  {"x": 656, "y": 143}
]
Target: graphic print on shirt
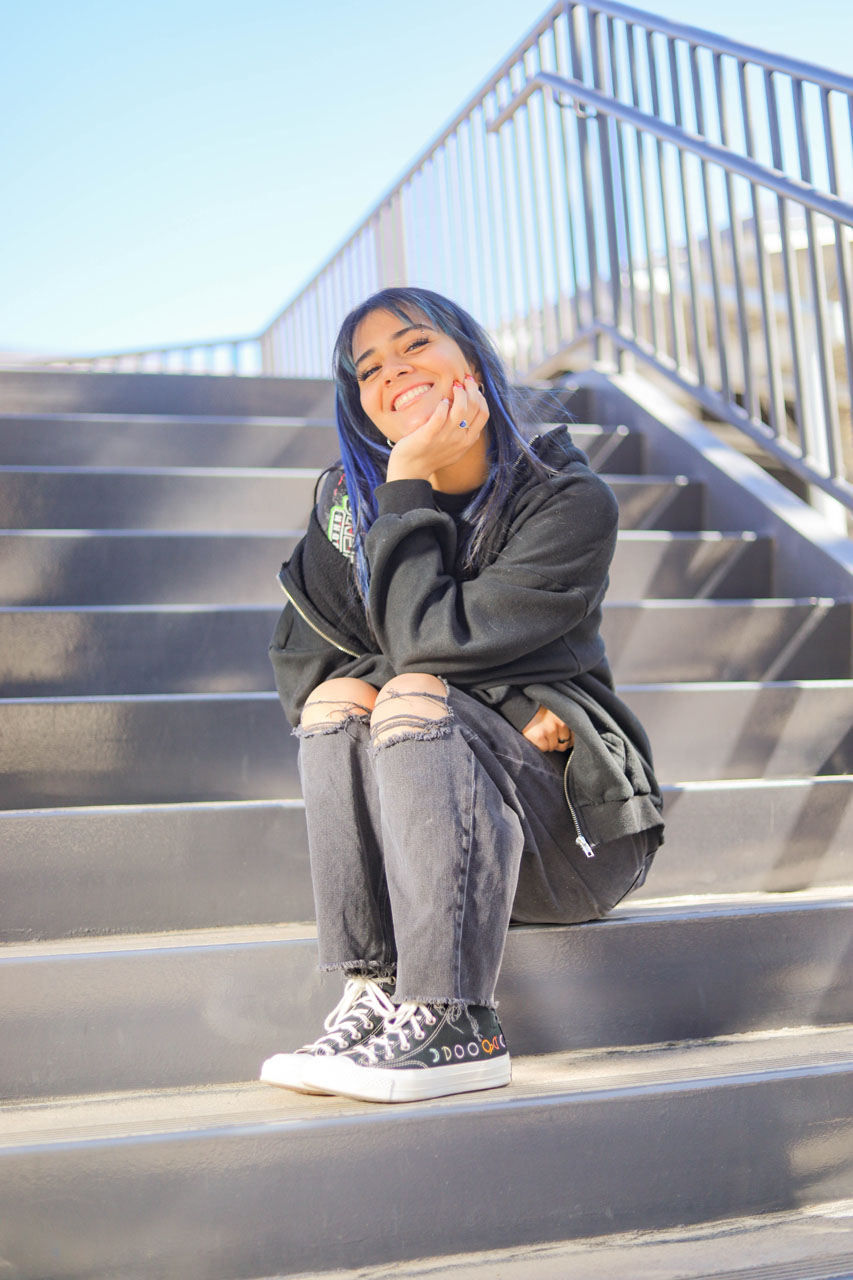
[{"x": 339, "y": 528}]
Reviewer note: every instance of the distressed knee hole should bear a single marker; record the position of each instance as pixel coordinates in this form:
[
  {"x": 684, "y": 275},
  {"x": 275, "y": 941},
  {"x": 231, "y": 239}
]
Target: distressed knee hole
[
  {"x": 335, "y": 715},
  {"x": 408, "y": 713}
]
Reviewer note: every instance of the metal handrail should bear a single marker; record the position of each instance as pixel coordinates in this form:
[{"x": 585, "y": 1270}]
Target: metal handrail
[
  {"x": 693, "y": 212},
  {"x": 791, "y": 188}
]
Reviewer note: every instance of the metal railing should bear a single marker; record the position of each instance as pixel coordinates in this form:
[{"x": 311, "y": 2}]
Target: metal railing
[
  {"x": 626, "y": 184},
  {"x": 227, "y": 356},
  {"x": 626, "y": 187}
]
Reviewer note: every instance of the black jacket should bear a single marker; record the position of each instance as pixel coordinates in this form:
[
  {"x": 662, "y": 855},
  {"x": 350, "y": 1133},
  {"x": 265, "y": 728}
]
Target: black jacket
[{"x": 523, "y": 632}]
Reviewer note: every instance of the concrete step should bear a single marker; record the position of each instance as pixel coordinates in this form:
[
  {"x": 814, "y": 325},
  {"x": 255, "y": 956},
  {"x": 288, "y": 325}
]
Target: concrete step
[
  {"x": 154, "y": 649},
  {"x": 158, "y": 1010},
  {"x": 244, "y": 1180},
  {"x": 143, "y": 868},
  {"x": 147, "y": 750},
  {"x": 251, "y": 499},
  {"x": 810, "y": 1243},
  {"x": 50, "y": 392},
  {"x": 39, "y": 567},
  {"x": 139, "y": 440}
]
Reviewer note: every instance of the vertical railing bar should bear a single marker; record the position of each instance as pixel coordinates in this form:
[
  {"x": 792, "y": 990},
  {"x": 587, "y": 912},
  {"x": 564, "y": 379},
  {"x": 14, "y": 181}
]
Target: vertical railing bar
[
  {"x": 678, "y": 336},
  {"x": 711, "y": 226},
  {"x": 586, "y": 181},
  {"x": 546, "y": 340},
  {"x": 842, "y": 247},
  {"x": 644, "y": 198},
  {"x": 750, "y": 398},
  {"x": 697, "y": 308},
  {"x": 523, "y": 247},
  {"x": 479, "y": 254},
  {"x": 826, "y": 430},
  {"x": 623, "y": 177},
  {"x": 497, "y": 256},
  {"x": 463, "y": 256},
  {"x": 497, "y": 210},
  {"x": 564, "y": 187},
  {"x": 550, "y": 213},
  {"x": 791, "y": 291},
  {"x": 607, "y": 176},
  {"x": 548, "y": 109},
  {"x": 777, "y": 411},
  {"x": 506, "y": 223}
]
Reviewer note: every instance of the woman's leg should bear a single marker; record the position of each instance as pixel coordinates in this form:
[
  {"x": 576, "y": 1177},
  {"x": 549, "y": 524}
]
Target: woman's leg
[
  {"x": 354, "y": 925},
  {"x": 452, "y": 847}
]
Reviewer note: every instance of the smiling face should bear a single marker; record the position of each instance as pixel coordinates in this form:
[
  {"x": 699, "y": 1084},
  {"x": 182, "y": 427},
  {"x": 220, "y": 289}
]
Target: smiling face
[{"x": 404, "y": 368}]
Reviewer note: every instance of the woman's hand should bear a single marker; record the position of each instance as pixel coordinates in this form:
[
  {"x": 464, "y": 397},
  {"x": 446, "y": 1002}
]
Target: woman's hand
[
  {"x": 441, "y": 441},
  {"x": 547, "y": 732}
]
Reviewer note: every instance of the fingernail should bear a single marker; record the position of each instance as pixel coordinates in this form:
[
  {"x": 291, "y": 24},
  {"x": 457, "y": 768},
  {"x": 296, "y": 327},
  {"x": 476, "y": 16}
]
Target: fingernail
[{"x": 460, "y": 385}]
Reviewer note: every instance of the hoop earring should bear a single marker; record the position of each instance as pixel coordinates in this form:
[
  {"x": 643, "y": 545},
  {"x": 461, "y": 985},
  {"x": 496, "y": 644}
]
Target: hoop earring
[{"x": 390, "y": 443}]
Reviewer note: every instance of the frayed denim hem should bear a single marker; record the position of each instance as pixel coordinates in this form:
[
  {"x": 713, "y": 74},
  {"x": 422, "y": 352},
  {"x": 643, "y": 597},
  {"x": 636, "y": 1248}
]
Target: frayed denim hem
[
  {"x": 418, "y": 732},
  {"x": 326, "y": 727},
  {"x": 369, "y": 968},
  {"x": 453, "y": 1003}
]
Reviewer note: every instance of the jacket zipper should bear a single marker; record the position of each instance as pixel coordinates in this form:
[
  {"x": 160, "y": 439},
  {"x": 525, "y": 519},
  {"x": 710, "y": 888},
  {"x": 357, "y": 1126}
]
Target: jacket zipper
[
  {"x": 304, "y": 616},
  {"x": 581, "y": 839}
]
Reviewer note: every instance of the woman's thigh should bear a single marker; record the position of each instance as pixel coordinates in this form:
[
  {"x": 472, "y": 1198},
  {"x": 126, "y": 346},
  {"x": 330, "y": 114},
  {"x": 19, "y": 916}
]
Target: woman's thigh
[{"x": 558, "y": 883}]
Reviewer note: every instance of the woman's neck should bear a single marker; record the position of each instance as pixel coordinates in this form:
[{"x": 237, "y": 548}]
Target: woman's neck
[{"x": 466, "y": 474}]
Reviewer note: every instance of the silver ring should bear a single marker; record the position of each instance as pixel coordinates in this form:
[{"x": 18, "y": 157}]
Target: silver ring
[
  {"x": 563, "y": 740},
  {"x": 463, "y": 425}
]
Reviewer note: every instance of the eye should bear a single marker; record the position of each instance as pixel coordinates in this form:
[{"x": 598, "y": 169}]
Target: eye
[
  {"x": 365, "y": 373},
  {"x": 418, "y": 342}
]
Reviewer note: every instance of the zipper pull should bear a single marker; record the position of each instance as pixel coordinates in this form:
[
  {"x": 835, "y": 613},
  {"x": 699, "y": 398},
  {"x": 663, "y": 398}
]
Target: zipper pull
[{"x": 586, "y": 846}]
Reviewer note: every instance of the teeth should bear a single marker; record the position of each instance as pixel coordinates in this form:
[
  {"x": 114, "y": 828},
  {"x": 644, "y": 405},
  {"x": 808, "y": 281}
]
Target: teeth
[{"x": 408, "y": 396}]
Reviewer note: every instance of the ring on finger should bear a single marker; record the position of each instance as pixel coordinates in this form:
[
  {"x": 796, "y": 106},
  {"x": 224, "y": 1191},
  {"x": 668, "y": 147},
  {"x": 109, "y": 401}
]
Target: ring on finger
[{"x": 463, "y": 425}]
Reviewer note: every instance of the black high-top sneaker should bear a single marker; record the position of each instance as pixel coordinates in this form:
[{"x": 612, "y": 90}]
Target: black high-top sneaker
[
  {"x": 359, "y": 1014},
  {"x": 423, "y": 1051}
]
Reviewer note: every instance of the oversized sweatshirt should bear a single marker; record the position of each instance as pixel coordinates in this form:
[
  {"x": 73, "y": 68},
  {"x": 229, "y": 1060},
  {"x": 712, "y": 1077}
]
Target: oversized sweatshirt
[{"x": 523, "y": 632}]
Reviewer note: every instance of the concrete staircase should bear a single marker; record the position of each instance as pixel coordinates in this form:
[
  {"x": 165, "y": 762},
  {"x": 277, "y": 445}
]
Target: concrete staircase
[{"x": 689, "y": 1059}]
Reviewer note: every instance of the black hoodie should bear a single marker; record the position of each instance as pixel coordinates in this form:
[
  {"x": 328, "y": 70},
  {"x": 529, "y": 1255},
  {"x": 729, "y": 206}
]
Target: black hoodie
[{"x": 523, "y": 632}]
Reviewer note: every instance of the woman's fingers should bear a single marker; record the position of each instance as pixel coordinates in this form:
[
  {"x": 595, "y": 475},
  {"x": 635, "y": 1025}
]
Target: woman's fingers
[{"x": 548, "y": 732}]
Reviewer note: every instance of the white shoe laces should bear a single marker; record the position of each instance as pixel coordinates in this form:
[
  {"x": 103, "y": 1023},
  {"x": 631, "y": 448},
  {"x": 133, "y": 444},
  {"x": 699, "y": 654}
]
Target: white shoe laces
[
  {"x": 405, "y": 1018},
  {"x": 362, "y": 997}
]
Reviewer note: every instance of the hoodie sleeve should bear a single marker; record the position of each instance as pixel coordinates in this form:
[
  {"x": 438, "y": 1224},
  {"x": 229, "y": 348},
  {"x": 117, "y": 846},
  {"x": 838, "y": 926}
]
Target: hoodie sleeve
[
  {"x": 301, "y": 660},
  {"x": 540, "y": 591}
]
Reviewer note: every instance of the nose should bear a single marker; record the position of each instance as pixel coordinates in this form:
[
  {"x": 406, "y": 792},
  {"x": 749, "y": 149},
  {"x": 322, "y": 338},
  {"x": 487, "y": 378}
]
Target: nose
[{"x": 396, "y": 369}]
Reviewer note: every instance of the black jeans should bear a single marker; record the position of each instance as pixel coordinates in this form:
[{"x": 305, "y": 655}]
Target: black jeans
[{"x": 426, "y": 847}]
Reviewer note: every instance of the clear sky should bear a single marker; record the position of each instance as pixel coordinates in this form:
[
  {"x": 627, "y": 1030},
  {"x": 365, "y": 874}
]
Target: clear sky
[{"x": 173, "y": 170}]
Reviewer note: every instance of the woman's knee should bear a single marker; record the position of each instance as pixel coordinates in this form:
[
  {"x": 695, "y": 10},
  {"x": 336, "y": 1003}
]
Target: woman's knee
[
  {"x": 336, "y": 701},
  {"x": 410, "y": 706}
]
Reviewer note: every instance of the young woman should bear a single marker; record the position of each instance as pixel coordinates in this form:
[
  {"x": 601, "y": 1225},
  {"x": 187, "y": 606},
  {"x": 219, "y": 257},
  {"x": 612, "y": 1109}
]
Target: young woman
[{"x": 464, "y": 759}]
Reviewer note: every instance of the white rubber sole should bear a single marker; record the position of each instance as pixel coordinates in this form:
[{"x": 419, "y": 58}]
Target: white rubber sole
[
  {"x": 404, "y": 1084},
  {"x": 287, "y": 1070}
]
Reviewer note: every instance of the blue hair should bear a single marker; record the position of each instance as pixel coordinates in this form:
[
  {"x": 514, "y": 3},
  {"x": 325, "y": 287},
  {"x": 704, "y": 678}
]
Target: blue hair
[{"x": 364, "y": 452}]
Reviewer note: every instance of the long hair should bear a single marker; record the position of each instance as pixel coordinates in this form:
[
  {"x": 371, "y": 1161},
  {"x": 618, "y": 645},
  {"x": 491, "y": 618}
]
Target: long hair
[{"x": 364, "y": 452}]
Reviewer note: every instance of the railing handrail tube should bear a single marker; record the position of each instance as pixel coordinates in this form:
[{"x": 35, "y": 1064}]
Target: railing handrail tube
[
  {"x": 790, "y": 188},
  {"x": 639, "y": 17},
  {"x": 793, "y": 67}
]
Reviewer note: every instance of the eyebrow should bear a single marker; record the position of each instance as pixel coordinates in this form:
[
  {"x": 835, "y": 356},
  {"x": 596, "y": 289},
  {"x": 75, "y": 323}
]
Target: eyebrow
[{"x": 394, "y": 336}]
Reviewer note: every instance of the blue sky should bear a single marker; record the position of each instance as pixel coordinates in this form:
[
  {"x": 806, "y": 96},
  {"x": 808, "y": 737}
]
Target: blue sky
[{"x": 174, "y": 170}]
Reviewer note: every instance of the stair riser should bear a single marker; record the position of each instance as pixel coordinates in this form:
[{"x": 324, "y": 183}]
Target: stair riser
[
  {"x": 105, "y": 569},
  {"x": 124, "y": 751},
  {"x": 284, "y": 1198},
  {"x": 235, "y": 501},
  {"x": 75, "y": 872},
  {"x": 186, "y": 442},
  {"x": 75, "y": 652},
  {"x": 210, "y": 396},
  {"x": 185, "y": 1014}
]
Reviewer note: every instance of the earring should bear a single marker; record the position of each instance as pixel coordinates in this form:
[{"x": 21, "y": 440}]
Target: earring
[{"x": 390, "y": 443}]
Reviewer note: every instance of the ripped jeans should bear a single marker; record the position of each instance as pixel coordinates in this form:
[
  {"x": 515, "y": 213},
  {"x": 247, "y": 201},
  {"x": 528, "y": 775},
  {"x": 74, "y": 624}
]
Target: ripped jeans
[{"x": 428, "y": 835}]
